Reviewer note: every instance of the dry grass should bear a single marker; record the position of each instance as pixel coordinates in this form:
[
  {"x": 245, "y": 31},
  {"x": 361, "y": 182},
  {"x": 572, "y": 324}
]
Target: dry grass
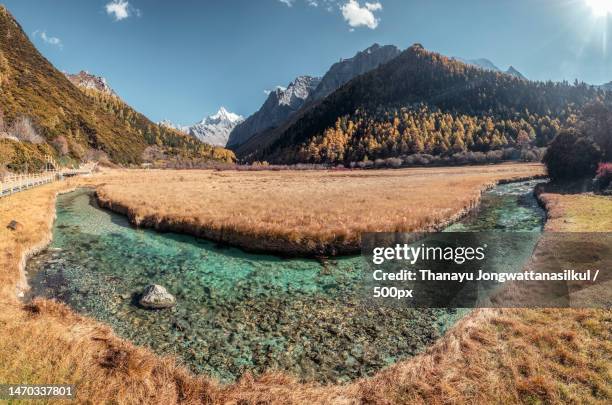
[
  {"x": 491, "y": 356},
  {"x": 578, "y": 212},
  {"x": 312, "y": 212}
]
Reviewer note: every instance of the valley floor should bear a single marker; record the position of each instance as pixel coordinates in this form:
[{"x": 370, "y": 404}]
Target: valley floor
[
  {"x": 305, "y": 213},
  {"x": 491, "y": 356}
]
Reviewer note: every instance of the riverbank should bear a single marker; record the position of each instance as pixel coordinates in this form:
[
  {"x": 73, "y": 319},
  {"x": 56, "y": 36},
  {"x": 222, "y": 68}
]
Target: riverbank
[
  {"x": 256, "y": 300},
  {"x": 319, "y": 213},
  {"x": 491, "y": 356}
]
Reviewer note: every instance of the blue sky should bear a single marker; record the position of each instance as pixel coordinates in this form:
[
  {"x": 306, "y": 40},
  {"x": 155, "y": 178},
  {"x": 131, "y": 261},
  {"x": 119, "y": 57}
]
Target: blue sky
[{"x": 182, "y": 59}]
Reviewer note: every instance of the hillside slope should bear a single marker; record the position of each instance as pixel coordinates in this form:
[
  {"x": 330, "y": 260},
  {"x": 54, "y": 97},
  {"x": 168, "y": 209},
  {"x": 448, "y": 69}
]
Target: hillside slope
[
  {"x": 423, "y": 102},
  {"x": 82, "y": 120}
]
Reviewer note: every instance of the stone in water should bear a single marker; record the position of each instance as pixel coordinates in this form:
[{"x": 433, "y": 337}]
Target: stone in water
[{"x": 156, "y": 297}]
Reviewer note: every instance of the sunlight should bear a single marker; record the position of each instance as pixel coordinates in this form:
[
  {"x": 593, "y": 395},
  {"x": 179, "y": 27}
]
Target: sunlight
[{"x": 600, "y": 8}]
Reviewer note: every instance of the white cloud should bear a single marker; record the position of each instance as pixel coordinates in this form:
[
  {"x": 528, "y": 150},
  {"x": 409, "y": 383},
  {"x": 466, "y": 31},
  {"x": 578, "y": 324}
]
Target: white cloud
[
  {"x": 288, "y": 3},
  {"x": 313, "y": 3},
  {"x": 48, "y": 39},
  {"x": 358, "y": 16},
  {"x": 373, "y": 6},
  {"x": 120, "y": 9}
]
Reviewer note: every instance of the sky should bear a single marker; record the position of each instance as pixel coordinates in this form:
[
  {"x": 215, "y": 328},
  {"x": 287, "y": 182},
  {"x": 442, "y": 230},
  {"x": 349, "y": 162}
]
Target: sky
[{"x": 183, "y": 59}]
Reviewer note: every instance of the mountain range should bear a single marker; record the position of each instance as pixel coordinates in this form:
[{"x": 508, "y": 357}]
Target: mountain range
[
  {"x": 381, "y": 103},
  {"x": 412, "y": 103},
  {"x": 283, "y": 103}
]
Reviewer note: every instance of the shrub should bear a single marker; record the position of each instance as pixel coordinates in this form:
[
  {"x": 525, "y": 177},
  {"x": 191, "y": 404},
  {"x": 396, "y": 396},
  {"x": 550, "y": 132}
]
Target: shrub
[
  {"x": 604, "y": 175},
  {"x": 571, "y": 156},
  {"x": 365, "y": 164},
  {"x": 61, "y": 145},
  {"x": 495, "y": 156},
  {"x": 393, "y": 162}
]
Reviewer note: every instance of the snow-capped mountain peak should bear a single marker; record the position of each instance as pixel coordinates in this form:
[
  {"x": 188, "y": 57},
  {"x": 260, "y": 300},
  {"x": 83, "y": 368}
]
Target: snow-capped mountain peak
[
  {"x": 215, "y": 128},
  {"x": 222, "y": 116}
]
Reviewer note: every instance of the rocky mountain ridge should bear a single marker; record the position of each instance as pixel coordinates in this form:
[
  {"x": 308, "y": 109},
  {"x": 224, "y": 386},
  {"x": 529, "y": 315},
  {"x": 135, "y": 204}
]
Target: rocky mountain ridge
[
  {"x": 282, "y": 103},
  {"x": 86, "y": 80}
]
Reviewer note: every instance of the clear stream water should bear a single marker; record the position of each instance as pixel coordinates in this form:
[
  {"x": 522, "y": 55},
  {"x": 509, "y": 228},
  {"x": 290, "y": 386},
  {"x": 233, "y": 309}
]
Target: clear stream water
[{"x": 237, "y": 311}]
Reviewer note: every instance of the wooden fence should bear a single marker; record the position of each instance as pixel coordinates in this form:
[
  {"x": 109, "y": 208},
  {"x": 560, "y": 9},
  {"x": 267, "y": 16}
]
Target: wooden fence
[{"x": 15, "y": 183}]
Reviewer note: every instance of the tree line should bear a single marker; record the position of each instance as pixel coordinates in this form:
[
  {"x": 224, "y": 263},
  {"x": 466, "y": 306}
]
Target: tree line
[{"x": 393, "y": 132}]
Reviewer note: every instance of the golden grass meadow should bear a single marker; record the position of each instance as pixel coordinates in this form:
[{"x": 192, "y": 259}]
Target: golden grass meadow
[
  {"x": 490, "y": 356},
  {"x": 303, "y": 213}
]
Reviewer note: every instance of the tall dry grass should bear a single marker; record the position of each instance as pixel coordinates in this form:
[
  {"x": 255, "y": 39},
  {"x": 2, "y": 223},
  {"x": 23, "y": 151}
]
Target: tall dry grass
[
  {"x": 491, "y": 356},
  {"x": 311, "y": 212}
]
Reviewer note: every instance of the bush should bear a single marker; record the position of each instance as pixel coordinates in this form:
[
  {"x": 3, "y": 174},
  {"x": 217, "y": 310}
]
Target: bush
[
  {"x": 604, "y": 176},
  {"x": 393, "y": 162},
  {"x": 61, "y": 145},
  {"x": 571, "y": 156}
]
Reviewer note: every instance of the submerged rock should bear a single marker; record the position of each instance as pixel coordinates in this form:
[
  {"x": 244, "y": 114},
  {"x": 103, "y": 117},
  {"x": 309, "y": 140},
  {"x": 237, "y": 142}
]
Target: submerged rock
[{"x": 156, "y": 297}]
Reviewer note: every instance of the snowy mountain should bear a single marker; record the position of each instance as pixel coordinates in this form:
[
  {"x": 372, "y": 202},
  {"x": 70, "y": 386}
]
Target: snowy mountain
[
  {"x": 213, "y": 130},
  {"x": 607, "y": 86},
  {"x": 86, "y": 80},
  {"x": 281, "y": 104}
]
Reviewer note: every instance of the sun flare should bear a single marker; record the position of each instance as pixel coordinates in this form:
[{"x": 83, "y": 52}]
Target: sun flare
[{"x": 600, "y": 8}]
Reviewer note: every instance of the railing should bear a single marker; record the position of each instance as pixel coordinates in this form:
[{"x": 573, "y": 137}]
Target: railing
[
  {"x": 15, "y": 183},
  {"x": 18, "y": 182}
]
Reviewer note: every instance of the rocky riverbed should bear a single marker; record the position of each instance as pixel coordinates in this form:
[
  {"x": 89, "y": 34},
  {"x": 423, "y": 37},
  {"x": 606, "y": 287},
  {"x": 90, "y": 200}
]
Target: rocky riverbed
[{"x": 238, "y": 312}]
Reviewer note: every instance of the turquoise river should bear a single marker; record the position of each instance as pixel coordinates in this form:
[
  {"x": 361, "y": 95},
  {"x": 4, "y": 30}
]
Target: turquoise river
[{"x": 237, "y": 311}]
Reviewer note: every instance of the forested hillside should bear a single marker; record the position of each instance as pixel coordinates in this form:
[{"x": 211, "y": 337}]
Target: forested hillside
[
  {"x": 68, "y": 122},
  {"x": 424, "y": 102}
]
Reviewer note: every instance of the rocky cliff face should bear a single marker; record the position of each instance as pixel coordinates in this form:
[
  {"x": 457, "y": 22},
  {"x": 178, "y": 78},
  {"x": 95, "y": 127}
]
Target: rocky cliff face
[
  {"x": 281, "y": 104},
  {"x": 86, "y": 80},
  {"x": 345, "y": 70}
]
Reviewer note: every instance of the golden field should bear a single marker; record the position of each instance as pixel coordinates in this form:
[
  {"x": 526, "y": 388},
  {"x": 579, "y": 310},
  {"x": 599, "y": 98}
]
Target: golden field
[
  {"x": 301, "y": 213},
  {"x": 491, "y": 356}
]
